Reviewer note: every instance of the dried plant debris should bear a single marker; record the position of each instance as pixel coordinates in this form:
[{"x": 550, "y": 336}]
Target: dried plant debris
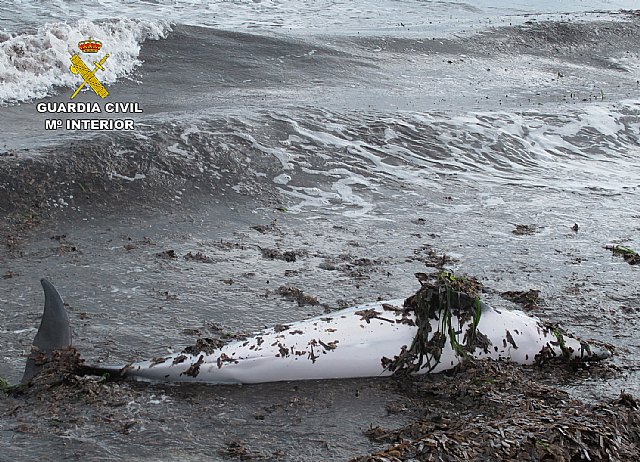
[
  {"x": 369, "y": 314},
  {"x": 64, "y": 366},
  {"x": 630, "y": 256},
  {"x": 12, "y": 242},
  {"x": 216, "y": 338},
  {"x": 441, "y": 297},
  {"x": 627, "y": 400},
  {"x": 528, "y": 299},
  {"x": 5, "y": 387},
  {"x": 525, "y": 230},
  {"x": 165, "y": 295},
  {"x": 488, "y": 410},
  {"x": 227, "y": 245},
  {"x": 287, "y": 255},
  {"x": 167, "y": 254},
  {"x": 131, "y": 245},
  {"x": 238, "y": 450},
  {"x": 430, "y": 257},
  {"x": 9, "y": 275},
  {"x": 295, "y": 294},
  {"x": 357, "y": 268},
  {"x": 281, "y": 327},
  {"x": 64, "y": 249},
  {"x": 67, "y": 394},
  {"x": 205, "y": 345},
  {"x": 264, "y": 229},
  {"x": 198, "y": 256}
]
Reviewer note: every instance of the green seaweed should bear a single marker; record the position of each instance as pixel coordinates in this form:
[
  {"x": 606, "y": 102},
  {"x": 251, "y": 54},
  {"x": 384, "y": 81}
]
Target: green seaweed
[
  {"x": 630, "y": 256},
  {"x": 7, "y": 388},
  {"x": 623, "y": 250},
  {"x": 558, "y": 334},
  {"x": 442, "y": 297}
]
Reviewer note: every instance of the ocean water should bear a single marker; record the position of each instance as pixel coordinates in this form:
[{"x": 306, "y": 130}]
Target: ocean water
[
  {"x": 363, "y": 135},
  {"x": 37, "y": 37}
]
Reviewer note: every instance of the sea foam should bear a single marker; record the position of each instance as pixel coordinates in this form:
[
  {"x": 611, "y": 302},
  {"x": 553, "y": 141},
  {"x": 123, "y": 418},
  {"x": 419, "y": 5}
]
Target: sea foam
[{"x": 33, "y": 64}]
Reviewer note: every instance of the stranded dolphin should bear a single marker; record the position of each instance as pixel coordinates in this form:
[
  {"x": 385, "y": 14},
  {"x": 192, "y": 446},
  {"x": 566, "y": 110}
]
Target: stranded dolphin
[{"x": 375, "y": 339}]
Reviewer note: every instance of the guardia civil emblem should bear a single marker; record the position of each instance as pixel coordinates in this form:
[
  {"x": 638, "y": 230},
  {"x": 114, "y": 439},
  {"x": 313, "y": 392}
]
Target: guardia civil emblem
[{"x": 78, "y": 66}]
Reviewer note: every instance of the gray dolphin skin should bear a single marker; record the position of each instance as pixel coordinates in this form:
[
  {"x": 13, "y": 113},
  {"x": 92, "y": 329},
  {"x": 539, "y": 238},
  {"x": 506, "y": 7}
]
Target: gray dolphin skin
[
  {"x": 54, "y": 332},
  {"x": 360, "y": 341}
]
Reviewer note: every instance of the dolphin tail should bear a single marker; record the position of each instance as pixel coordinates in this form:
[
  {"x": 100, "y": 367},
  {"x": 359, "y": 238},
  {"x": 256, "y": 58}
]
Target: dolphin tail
[{"x": 54, "y": 332}]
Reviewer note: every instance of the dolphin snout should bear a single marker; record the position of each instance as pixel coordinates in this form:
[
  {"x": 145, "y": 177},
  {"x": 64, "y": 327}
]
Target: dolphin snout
[{"x": 596, "y": 353}]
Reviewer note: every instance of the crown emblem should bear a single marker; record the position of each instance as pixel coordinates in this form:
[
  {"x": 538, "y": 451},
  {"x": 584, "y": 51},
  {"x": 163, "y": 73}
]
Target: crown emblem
[{"x": 90, "y": 46}]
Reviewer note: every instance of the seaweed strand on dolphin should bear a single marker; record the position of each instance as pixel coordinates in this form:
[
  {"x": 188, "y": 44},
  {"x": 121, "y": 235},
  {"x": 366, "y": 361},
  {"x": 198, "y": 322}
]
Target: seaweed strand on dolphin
[
  {"x": 442, "y": 325},
  {"x": 442, "y": 297}
]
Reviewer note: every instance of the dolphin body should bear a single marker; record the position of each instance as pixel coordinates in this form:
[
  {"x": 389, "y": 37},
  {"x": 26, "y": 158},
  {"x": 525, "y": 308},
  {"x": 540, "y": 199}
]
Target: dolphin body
[{"x": 355, "y": 342}]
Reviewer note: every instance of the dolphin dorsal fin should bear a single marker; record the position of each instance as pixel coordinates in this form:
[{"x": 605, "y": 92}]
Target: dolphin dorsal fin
[{"x": 54, "y": 332}]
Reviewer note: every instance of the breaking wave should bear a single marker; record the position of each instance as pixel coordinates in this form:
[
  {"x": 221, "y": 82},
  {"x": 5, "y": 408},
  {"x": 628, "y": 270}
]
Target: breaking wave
[
  {"x": 33, "y": 64},
  {"x": 350, "y": 163}
]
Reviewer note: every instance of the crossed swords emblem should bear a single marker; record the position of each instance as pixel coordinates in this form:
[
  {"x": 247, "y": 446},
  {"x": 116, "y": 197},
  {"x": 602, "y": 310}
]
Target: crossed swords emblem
[{"x": 89, "y": 76}]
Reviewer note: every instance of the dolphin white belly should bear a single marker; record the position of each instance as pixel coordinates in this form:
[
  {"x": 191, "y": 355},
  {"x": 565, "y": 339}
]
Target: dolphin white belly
[
  {"x": 339, "y": 345},
  {"x": 369, "y": 340},
  {"x": 352, "y": 343}
]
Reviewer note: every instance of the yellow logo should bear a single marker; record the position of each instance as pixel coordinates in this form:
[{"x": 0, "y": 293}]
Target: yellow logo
[{"x": 89, "y": 76}]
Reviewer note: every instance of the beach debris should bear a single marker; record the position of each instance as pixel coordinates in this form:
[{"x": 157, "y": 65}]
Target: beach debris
[
  {"x": 287, "y": 255},
  {"x": 169, "y": 254},
  {"x": 67, "y": 248},
  {"x": 130, "y": 245},
  {"x": 264, "y": 229},
  {"x": 4, "y": 385},
  {"x": 9, "y": 275},
  {"x": 166, "y": 296},
  {"x": 198, "y": 256},
  {"x": 205, "y": 345},
  {"x": 430, "y": 257},
  {"x": 525, "y": 230},
  {"x": 630, "y": 256},
  {"x": 63, "y": 367},
  {"x": 12, "y": 242},
  {"x": 227, "y": 245},
  {"x": 238, "y": 450},
  {"x": 297, "y": 295},
  {"x": 528, "y": 299},
  {"x": 194, "y": 369},
  {"x": 627, "y": 400},
  {"x": 369, "y": 314},
  {"x": 490, "y": 410},
  {"x": 352, "y": 266}
]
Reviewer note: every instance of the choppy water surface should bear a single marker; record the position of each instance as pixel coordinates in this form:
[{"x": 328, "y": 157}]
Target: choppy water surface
[{"x": 363, "y": 154}]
